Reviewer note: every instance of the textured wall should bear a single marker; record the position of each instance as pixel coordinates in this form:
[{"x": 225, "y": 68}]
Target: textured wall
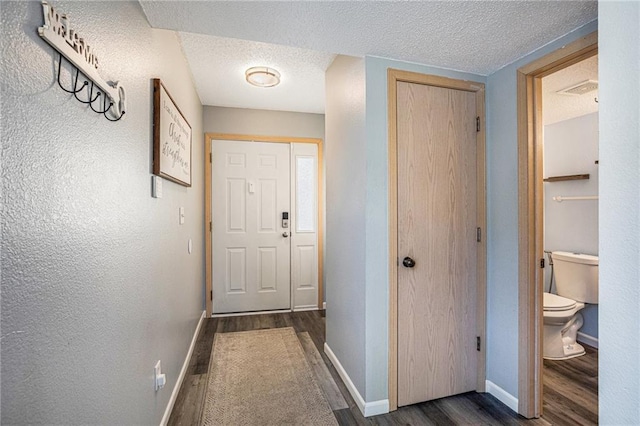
[
  {"x": 502, "y": 216},
  {"x": 345, "y": 236},
  {"x": 571, "y": 147},
  {"x": 97, "y": 283},
  {"x": 619, "y": 96}
]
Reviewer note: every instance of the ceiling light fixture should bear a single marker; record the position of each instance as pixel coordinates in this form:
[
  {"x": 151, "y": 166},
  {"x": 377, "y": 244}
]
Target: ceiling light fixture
[{"x": 262, "y": 76}]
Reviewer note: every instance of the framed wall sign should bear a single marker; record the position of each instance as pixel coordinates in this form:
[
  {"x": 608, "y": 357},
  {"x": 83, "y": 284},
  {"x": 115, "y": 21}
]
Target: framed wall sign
[{"x": 171, "y": 138}]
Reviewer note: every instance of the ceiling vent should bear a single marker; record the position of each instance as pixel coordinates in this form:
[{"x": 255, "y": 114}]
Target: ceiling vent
[{"x": 586, "y": 86}]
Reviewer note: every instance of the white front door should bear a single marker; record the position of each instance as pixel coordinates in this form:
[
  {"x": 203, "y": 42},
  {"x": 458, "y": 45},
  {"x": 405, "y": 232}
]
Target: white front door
[{"x": 251, "y": 249}]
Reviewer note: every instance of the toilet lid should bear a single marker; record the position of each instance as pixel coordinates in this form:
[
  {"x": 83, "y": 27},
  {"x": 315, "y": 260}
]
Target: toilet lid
[{"x": 553, "y": 302}]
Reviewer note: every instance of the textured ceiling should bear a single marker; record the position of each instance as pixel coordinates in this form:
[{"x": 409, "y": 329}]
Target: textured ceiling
[
  {"x": 218, "y": 65},
  {"x": 473, "y": 36},
  {"x": 558, "y": 107}
]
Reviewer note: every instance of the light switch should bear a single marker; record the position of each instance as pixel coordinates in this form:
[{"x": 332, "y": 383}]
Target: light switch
[
  {"x": 252, "y": 187},
  {"x": 160, "y": 379},
  {"x": 181, "y": 215},
  {"x": 156, "y": 186}
]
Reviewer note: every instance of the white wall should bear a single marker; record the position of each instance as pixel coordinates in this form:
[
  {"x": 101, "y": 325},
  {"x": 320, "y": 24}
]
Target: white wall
[
  {"x": 345, "y": 237},
  {"x": 502, "y": 217},
  {"x": 571, "y": 148},
  {"x": 263, "y": 122},
  {"x": 619, "y": 96},
  {"x": 97, "y": 283}
]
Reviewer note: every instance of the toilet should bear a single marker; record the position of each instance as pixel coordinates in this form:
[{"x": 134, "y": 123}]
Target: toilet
[{"x": 576, "y": 278}]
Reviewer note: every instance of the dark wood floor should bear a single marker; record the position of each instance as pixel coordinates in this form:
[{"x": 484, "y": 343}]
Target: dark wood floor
[
  {"x": 570, "y": 393},
  {"x": 466, "y": 409}
]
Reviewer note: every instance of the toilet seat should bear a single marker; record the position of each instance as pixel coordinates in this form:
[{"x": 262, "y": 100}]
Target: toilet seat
[{"x": 553, "y": 302}]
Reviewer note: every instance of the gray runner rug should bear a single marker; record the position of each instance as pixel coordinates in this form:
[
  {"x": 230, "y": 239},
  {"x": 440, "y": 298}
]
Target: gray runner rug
[{"x": 262, "y": 377}]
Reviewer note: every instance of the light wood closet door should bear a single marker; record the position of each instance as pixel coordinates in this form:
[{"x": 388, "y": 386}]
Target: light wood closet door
[{"x": 437, "y": 223}]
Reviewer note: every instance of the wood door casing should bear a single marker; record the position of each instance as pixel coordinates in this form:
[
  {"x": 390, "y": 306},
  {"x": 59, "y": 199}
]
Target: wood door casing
[
  {"x": 530, "y": 225},
  {"x": 437, "y": 221}
]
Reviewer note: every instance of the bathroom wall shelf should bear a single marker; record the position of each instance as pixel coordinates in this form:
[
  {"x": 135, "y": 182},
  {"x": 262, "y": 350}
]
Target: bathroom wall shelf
[{"x": 568, "y": 177}]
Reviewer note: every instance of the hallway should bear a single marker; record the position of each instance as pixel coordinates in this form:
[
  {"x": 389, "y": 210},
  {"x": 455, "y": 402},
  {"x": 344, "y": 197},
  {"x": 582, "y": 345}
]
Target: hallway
[{"x": 469, "y": 408}]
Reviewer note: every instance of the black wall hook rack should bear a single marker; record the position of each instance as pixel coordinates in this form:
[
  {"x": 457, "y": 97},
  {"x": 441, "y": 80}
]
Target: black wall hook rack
[
  {"x": 91, "y": 99},
  {"x": 80, "y": 54}
]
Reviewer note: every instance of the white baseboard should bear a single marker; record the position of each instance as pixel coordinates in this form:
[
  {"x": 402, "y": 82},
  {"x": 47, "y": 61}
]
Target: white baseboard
[
  {"x": 242, "y": 314},
  {"x": 589, "y": 340},
  {"x": 280, "y": 311},
  {"x": 367, "y": 409},
  {"x": 376, "y": 407},
  {"x": 502, "y": 395},
  {"x": 183, "y": 371},
  {"x": 306, "y": 308}
]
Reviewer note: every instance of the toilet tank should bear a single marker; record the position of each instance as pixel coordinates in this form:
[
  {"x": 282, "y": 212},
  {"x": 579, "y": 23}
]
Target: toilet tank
[{"x": 576, "y": 276}]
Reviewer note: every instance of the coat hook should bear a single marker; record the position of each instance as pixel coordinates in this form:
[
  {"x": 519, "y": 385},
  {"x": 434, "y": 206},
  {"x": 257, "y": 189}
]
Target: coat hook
[
  {"x": 75, "y": 84},
  {"x": 92, "y": 98},
  {"x": 90, "y": 101},
  {"x": 110, "y": 119},
  {"x": 75, "y": 89},
  {"x": 104, "y": 101},
  {"x": 117, "y": 119}
]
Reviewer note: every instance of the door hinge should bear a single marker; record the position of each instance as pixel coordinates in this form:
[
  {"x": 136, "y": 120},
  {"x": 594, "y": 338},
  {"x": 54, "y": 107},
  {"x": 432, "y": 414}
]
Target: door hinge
[
  {"x": 211, "y": 157},
  {"x": 478, "y": 234},
  {"x": 477, "y": 124},
  {"x": 211, "y": 294},
  {"x": 478, "y": 343},
  {"x": 210, "y": 227},
  {"x": 542, "y": 263}
]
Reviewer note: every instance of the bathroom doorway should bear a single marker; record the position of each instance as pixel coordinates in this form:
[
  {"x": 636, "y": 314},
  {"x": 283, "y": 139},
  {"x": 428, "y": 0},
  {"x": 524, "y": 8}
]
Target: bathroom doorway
[
  {"x": 531, "y": 256},
  {"x": 570, "y": 240}
]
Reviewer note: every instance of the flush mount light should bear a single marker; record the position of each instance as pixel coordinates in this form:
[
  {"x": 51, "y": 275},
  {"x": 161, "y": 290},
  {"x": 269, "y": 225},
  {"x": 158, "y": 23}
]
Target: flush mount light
[{"x": 262, "y": 76}]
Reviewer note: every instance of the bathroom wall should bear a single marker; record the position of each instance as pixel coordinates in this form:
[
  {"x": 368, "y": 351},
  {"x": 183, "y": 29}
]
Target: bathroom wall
[
  {"x": 570, "y": 148},
  {"x": 97, "y": 282}
]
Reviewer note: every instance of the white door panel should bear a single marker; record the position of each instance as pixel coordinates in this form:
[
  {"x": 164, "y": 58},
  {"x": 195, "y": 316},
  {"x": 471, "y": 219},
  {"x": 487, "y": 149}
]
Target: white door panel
[
  {"x": 251, "y": 257},
  {"x": 304, "y": 195}
]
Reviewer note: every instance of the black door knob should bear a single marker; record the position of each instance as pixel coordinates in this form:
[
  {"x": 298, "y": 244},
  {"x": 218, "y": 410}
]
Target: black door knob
[{"x": 408, "y": 262}]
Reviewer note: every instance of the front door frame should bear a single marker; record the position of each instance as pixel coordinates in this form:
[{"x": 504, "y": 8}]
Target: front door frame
[
  {"x": 209, "y": 139},
  {"x": 393, "y": 77},
  {"x": 530, "y": 215}
]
